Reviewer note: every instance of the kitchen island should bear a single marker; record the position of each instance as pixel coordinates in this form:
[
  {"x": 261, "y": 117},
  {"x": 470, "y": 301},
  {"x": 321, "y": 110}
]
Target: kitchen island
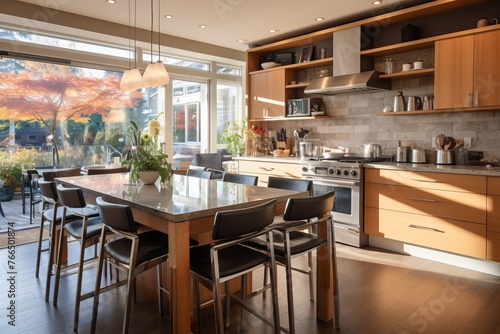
[{"x": 185, "y": 209}]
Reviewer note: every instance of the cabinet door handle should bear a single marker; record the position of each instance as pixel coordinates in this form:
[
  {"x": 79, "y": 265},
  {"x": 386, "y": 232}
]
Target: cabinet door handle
[
  {"x": 422, "y": 199},
  {"x": 425, "y": 228},
  {"x": 428, "y": 181},
  {"x": 476, "y": 103},
  {"x": 469, "y": 99}
]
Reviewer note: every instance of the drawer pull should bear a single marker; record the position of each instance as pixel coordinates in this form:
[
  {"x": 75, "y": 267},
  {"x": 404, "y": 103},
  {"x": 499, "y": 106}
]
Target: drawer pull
[
  {"x": 425, "y": 228},
  {"x": 422, "y": 199},
  {"x": 428, "y": 181},
  {"x": 267, "y": 169}
]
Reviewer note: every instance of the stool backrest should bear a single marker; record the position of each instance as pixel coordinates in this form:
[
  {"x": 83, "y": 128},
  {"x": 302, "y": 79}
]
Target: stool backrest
[
  {"x": 308, "y": 207},
  {"x": 234, "y": 223},
  {"x": 199, "y": 173},
  {"x": 71, "y": 197},
  {"x": 250, "y": 180},
  {"x": 97, "y": 171},
  {"x": 117, "y": 216},
  {"x": 48, "y": 189},
  {"x": 50, "y": 176},
  {"x": 290, "y": 184}
]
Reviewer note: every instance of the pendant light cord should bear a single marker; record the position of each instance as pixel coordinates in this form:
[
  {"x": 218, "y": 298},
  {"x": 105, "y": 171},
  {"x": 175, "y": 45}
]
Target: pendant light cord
[
  {"x": 159, "y": 29},
  {"x": 152, "y": 30}
]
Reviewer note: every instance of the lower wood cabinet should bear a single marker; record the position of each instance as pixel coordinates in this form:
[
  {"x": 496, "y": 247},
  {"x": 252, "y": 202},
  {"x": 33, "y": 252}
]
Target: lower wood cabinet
[
  {"x": 443, "y": 234},
  {"x": 437, "y": 210},
  {"x": 493, "y": 219},
  {"x": 264, "y": 169}
]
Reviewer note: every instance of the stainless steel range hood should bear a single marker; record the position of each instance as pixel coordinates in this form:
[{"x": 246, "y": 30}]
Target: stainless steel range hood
[
  {"x": 349, "y": 83},
  {"x": 352, "y": 73}
]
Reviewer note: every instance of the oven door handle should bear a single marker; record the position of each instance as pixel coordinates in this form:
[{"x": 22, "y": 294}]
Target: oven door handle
[{"x": 334, "y": 183}]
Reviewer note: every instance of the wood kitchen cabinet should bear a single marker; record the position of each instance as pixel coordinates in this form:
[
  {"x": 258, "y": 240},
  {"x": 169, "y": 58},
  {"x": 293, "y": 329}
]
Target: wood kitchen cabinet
[
  {"x": 437, "y": 210},
  {"x": 264, "y": 169},
  {"x": 467, "y": 71},
  {"x": 493, "y": 219},
  {"x": 268, "y": 94}
]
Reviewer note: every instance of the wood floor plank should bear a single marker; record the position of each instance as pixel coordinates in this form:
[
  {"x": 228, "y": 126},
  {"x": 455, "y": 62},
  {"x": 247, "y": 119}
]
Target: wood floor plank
[{"x": 380, "y": 292}]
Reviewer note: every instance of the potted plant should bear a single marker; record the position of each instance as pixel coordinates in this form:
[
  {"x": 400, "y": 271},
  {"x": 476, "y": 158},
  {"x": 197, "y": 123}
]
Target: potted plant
[
  {"x": 234, "y": 137},
  {"x": 11, "y": 174},
  {"x": 145, "y": 160},
  {"x": 146, "y": 165}
]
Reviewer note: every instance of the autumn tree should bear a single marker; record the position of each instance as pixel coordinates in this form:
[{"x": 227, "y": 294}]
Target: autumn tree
[{"x": 53, "y": 94}]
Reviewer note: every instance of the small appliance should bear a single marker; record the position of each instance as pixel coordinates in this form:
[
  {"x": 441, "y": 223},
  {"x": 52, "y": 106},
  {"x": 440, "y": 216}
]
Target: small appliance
[{"x": 303, "y": 107}]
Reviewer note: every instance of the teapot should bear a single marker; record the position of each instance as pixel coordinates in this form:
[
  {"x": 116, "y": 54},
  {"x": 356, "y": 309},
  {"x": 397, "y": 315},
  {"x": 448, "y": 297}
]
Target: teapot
[
  {"x": 399, "y": 102},
  {"x": 414, "y": 103}
]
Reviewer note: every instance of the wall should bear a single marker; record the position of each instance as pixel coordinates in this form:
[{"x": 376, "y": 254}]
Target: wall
[{"x": 354, "y": 120}]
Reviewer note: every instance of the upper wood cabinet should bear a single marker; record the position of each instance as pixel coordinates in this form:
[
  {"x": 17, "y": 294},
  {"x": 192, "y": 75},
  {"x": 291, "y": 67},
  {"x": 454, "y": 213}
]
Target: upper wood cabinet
[
  {"x": 467, "y": 69},
  {"x": 268, "y": 95}
]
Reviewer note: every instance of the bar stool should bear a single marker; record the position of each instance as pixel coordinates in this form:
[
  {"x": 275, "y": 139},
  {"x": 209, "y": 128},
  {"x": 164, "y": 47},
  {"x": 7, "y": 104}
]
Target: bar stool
[
  {"x": 221, "y": 261},
  {"x": 290, "y": 242},
  {"x": 52, "y": 213},
  {"x": 87, "y": 231},
  {"x": 32, "y": 190},
  {"x": 250, "y": 180},
  {"x": 131, "y": 252},
  {"x": 200, "y": 173}
]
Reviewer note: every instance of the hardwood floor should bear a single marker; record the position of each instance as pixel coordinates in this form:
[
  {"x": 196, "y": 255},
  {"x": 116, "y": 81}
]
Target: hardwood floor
[{"x": 380, "y": 292}]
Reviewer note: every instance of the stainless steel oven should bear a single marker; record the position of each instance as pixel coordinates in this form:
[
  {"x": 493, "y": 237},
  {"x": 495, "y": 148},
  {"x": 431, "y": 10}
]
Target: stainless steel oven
[{"x": 346, "y": 180}]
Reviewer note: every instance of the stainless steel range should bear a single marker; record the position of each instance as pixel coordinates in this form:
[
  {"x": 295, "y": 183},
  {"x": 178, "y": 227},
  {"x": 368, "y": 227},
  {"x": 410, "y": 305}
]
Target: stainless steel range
[{"x": 345, "y": 177}]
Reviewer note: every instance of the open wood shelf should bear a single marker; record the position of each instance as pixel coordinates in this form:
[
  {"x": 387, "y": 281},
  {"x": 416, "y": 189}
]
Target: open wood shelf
[
  {"x": 297, "y": 118},
  {"x": 438, "y": 111},
  {"x": 408, "y": 74},
  {"x": 300, "y": 66}
]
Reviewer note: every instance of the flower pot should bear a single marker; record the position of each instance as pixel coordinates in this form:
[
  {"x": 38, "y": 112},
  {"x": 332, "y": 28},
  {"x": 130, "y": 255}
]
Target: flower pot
[
  {"x": 148, "y": 177},
  {"x": 6, "y": 194}
]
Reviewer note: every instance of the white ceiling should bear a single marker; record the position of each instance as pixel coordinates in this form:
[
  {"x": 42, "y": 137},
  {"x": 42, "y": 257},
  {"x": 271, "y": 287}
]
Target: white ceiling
[{"x": 228, "y": 21}]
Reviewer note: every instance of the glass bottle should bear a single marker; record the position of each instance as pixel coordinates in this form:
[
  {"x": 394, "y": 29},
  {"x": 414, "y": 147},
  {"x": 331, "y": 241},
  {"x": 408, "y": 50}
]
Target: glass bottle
[{"x": 389, "y": 66}]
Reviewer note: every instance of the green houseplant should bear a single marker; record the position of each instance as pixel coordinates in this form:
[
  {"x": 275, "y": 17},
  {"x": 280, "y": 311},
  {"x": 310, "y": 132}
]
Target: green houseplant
[
  {"x": 144, "y": 160},
  {"x": 143, "y": 155},
  {"x": 234, "y": 137}
]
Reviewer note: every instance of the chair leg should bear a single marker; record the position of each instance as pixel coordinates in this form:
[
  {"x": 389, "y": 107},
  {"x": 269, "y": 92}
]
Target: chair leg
[
  {"x": 289, "y": 294},
  {"x": 79, "y": 277},
  {"x": 228, "y": 303},
  {"x": 95, "y": 307},
  {"x": 198, "y": 306},
  {"x": 128, "y": 307},
  {"x": 266, "y": 267},
  {"x": 58, "y": 264},
  {"x": 160, "y": 298},
  {"x": 218, "y": 314},
  {"x": 312, "y": 271},
  {"x": 1, "y": 210},
  {"x": 39, "y": 248},
  {"x": 243, "y": 298}
]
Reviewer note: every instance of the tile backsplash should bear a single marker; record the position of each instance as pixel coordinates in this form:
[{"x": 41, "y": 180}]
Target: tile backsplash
[{"x": 354, "y": 122}]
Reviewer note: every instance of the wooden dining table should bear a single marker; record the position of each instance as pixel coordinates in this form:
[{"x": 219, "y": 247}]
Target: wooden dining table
[{"x": 185, "y": 208}]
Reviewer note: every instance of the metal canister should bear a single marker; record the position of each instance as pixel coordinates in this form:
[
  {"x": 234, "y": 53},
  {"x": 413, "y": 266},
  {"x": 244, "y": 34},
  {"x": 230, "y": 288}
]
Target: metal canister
[
  {"x": 322, "y": 53},
  {"x": 402, "y": 154}
]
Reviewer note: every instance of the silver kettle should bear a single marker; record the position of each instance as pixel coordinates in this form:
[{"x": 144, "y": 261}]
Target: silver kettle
[
  {"x": 414, "y": 103},
  {"x": 399, "y": 102}
]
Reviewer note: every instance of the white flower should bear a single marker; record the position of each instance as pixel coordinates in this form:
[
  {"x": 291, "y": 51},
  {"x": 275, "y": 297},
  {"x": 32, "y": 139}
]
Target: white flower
[{"x": 154, "y": 128}]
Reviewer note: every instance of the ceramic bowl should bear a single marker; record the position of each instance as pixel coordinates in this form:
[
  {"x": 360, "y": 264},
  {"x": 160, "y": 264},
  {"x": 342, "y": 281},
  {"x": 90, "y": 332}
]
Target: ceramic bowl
[{"x": 269, "y": 64}]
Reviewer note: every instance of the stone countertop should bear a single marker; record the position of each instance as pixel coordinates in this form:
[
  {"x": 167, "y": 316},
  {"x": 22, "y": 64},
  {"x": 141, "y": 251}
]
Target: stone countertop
[
  {"x": 185, "y": 198},
  {"x": 270, "y": 158},
  {"x": 450, "y": 169},
  {"x": 429, "y": 167}
]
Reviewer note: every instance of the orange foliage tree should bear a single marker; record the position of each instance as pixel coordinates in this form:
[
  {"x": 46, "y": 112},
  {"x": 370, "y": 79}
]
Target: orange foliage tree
[{"x": 50, "y": 93}]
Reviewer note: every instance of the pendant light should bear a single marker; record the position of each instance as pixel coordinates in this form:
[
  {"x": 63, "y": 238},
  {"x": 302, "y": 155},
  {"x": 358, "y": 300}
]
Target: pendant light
[
  {"x": 155, "y": 74},
  {"x": 131, "y": 79}
]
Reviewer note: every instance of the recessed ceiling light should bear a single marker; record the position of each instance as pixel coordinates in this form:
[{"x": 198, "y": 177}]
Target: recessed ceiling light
[
  {"x": 273, "y": 30},
  {"x": 111, "y": 1},
  {"x": 202, "y": 26},
  {"x": 377, "y": 2},
  {"x": 169, "y": 16},
  {"x": 320, "y": 18},
  {"x": 241, "y": 40}
]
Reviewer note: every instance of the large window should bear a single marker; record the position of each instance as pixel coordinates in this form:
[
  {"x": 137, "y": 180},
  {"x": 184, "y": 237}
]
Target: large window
[{"x": 83, "y": 108}]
